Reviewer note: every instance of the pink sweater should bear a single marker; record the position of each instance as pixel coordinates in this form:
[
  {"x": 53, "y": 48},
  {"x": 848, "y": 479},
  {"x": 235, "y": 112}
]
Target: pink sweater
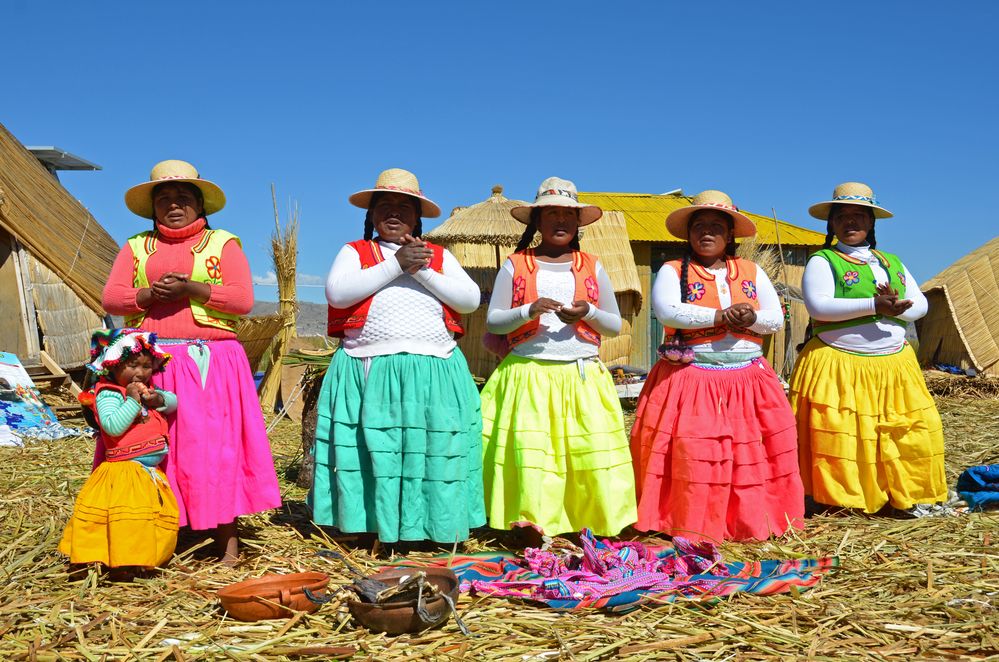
[{"x": 174, "y": 319}]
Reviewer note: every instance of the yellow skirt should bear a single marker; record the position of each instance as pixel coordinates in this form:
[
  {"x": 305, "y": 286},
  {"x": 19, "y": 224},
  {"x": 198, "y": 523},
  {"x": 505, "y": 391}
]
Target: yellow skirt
[
  {"x": 125, "y": 515},
  {"x": 868, "y": 430}
]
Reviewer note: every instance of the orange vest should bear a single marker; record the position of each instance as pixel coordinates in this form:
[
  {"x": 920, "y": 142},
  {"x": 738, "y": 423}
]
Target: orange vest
[
  {"x": 354, "y": 317},
  {"x": 525, "y": 290},
  {"x": 146, "y": 435},
  {"x": 702, "y": 290}
]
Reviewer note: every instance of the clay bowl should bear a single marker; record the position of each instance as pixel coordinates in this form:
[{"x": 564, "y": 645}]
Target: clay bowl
[
  {"x": 272, "y": 596},
  {"x": 401, "y": 617}
]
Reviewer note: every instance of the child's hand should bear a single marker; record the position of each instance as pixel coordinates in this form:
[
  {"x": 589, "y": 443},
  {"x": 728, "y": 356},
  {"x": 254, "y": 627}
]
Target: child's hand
[
  {"x": 135, "y": 390},
  {"x": 153, "y": 399}
]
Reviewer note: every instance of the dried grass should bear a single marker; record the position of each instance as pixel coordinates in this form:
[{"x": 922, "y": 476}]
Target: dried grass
[{"x": 906, "y": 589}]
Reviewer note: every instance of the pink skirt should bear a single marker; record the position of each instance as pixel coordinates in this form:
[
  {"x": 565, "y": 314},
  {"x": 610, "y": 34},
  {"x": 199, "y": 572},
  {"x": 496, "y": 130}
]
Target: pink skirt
[
  {"x": 219, "y": 463},
  {"x": 715, "y": 453}
]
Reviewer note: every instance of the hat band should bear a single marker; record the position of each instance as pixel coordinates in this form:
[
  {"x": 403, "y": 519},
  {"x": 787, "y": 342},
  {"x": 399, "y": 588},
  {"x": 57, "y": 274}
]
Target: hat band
[
  {"x": 557, "y": 192},
  {"x": 720, "y": 205},
  {"x": 166, "y": 177},
  {"x": 402, "y": 189},
  {"x": 862, "y": 198}
]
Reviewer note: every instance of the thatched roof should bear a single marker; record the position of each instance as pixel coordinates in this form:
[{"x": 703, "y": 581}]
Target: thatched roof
[
  {"x": 52, "y": 224},
  {"x": 646, "y": 214},
  {"x": 970, "y": 288},
  {"x": 487, "y": 222}
]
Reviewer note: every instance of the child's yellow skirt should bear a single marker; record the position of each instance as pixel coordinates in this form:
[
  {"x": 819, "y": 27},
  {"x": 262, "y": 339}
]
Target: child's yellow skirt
[
  {"x": 125, "y": 515},
  {"x": 868, "y": 430}
]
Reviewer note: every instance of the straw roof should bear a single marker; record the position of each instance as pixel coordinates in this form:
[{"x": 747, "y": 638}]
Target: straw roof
[
  {"x": 52, "y": 224},
  {"x": 969, "y": 289},
  {"x": 486, "y": 222},
  {"x": 646, "y": 214}
]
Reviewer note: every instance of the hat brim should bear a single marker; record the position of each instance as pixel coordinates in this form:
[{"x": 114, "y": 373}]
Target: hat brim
[
  {"x": 362, "y": 199},
  {"x": 139, "y": 198},
  {"x": 821, "y": 210},
  {"x": 587, "y": 213},
  {"x": 678, "y": 221}
]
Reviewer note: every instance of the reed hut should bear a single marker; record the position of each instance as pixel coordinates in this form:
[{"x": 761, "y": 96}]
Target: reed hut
[
  {"x": 652, "y": 246},
  {"x": 482, "y": 235},
  {"x": 962, "y": 325},
  {"x": 54, "y": 260}
]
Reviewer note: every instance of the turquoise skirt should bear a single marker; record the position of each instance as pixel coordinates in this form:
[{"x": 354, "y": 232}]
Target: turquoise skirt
[{"x": 399, "y": 452}]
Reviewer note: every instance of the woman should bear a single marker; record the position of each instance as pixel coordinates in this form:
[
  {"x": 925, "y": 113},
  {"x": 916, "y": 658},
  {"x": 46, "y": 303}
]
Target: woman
[
  {"x": 189, "y": 284},
  {"x": 556, "y": 451},
  {"x": 868, "y": 429},
  {"x": 714, "y": 440},
  {"x": 398, "y": 438}
]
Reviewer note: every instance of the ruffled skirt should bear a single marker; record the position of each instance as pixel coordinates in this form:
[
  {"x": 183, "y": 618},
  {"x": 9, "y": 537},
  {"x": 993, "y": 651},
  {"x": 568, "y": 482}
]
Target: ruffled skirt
[
  {"x": 715, "y": 453},
  {"x": 399, "y": 451},
  {"x": 868, "y": 430},
  {"x": 556, "y": 451},
  {"x": 125, "y": 515}
]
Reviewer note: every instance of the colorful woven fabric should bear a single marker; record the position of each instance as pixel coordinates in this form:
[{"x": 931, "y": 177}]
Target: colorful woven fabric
[{"x": 621, "y": 576}]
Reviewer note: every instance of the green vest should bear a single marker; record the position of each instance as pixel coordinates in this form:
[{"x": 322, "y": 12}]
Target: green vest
[
  {"x": 207, "y": 268},
  {"x": 855, "y": 280}
]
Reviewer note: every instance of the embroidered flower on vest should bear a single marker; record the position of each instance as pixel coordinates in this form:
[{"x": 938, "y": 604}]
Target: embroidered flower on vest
[
  {"x": 695, "y": 291},
  {"x": 519, "y": 289},
  {"x": 214, "y": 267},
  {"x": 851, "y": 278},
  {"x": 749, "y": 289},
  {"x": 592, "y": 289}
]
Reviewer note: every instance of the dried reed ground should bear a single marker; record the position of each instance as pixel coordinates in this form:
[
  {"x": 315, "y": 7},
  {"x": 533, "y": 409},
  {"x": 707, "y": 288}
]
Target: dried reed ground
[{"x": 907, "y": 589}]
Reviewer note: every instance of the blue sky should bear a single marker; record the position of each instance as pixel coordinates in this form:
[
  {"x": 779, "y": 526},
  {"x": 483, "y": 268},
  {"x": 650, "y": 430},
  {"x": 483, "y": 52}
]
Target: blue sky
[{"x": 772, "y": 102}]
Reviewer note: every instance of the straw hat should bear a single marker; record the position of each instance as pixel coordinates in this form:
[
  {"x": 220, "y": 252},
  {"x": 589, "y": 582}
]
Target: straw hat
[
  {"x": 558, "y": 192},
  {"x": 139, "y": 198},
  {"x": 397, "y": 180},
  {"x": 850, "y": 193},
  {"x": 677, "y": 221}
]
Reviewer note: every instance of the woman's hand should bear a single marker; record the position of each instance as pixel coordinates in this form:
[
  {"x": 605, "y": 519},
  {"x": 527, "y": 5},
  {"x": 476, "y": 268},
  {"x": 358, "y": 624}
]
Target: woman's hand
[
  {"x": 888, "y": 304},
  {"x": 740, "y": 316},
  {"x": 414, "y": 254},
  {"x": 542, "y": 306},
  {"x": 174, "y": 286},
  {"x": 574, "y": 313}
]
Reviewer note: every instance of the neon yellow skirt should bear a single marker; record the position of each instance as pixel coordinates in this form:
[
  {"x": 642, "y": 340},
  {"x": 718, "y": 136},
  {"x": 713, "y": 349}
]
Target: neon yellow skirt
[
  {"x": 555, "y": 450},
  {"x": 868, "y": 430},
  {"x": 125, "y": 515}
]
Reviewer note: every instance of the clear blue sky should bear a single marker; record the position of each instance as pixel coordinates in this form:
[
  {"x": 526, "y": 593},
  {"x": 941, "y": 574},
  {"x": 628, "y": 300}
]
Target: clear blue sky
[{"x": 772, "y": 102}]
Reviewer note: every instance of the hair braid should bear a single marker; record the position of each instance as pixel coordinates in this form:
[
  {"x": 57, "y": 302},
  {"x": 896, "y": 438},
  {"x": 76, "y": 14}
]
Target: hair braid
[
  {"x": 871, "y": 239},
  {"x": 830, "y": 235},
  {"x": 369, "y": 226},
  {"x": 684, "y": 268}
]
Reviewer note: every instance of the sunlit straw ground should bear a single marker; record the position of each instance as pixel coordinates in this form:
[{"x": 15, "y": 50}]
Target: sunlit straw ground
[{"x": 906, "y": 589}]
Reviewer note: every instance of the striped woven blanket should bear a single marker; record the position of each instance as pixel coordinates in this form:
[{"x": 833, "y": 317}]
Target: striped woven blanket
[{"x": 621, "y": 576}]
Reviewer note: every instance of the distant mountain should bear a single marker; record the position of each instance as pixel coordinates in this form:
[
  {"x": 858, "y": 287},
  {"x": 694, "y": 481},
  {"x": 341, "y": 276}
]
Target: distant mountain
[{"x": 311, "y": 316}]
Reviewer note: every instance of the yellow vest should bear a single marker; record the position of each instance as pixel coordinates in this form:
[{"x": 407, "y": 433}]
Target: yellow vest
[{"x": 207, "y": 269}]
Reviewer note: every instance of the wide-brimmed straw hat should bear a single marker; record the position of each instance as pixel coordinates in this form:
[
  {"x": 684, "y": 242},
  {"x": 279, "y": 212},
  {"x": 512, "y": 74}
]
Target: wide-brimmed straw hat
[
  {"x": 850, "y": 193},
  {"x": 397, "y": 180},
  {"x": 679, "y": 219},
  {"x": 558, "y": 192},
  {"x": 139, "y": 198}
]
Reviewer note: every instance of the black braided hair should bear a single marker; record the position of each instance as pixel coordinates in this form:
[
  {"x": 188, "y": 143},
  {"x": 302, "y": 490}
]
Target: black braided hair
[
  {"x": 687, "y": 254},
  {"x": 830, "y": 235},
  {"x": 369, "y": 225},
  {"x": 531, "y": 230}
]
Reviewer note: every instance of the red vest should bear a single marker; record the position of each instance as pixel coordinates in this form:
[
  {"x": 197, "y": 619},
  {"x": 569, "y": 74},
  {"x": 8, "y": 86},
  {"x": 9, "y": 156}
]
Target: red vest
[
  {"x": 354, "y": 317},
  {"x": 146, "y": 435},
  {"x": 525, "y": 290},
  {"x": 702, "y": 290}
]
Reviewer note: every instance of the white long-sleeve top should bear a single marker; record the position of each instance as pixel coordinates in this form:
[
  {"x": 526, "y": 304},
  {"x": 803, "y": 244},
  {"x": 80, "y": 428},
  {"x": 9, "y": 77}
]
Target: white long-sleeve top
[
  {"x": 406, "y": 315},
  {"x": 667, "y": 306},
  {"x": 818, "y": 288},
  {"x": 555, "y": 340}
]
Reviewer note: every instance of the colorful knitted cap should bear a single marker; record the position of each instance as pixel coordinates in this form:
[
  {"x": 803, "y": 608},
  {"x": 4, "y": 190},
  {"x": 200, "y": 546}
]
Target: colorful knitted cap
[{"x": 109, "y": 347}]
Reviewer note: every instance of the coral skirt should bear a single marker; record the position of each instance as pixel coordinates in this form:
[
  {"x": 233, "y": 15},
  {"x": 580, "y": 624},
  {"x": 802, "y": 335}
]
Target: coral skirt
[
  {"x": 125, "y": 515},
  {"x": 869, "y": 431},
  {"x": 715, "y": 453}
]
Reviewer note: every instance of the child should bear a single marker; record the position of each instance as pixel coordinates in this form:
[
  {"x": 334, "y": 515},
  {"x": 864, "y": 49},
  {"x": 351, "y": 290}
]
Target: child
[
  {"x": 125, "y": 514},
  {"x": 555, "y": 448}
]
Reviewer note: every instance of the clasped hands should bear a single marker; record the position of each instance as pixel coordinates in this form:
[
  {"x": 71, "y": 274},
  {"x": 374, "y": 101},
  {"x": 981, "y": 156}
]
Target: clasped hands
[
  {"x": 414, "y": 254},
  {"x": 738, "y": 316},
  {"x": 568, "y": 314},
  {"x": 144, "y": 394},
  {"x": 887, "y": 303}
]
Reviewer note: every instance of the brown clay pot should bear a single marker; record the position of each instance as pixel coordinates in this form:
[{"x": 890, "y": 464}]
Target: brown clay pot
[
  {"x": 401, "y": 617},
  {"x": 272, "y": 596}
]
